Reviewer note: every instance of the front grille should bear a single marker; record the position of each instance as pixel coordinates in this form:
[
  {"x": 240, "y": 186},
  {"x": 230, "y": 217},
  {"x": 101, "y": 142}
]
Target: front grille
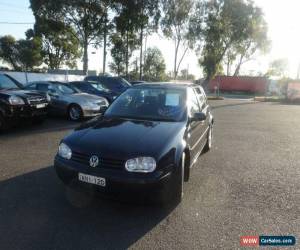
[
  {"x": 103, "y": 162},
  {"x": 36, "y": 100}
]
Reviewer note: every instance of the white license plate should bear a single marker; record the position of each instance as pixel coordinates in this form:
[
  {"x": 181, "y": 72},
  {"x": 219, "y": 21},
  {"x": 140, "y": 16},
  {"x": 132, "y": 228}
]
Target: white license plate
[
  {"x": 92, "y": 179},
  {"x": 40, "y": 106}
]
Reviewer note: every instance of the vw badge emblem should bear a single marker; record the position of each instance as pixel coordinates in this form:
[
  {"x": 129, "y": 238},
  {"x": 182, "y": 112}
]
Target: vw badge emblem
[{"x": 94, "y": 161}]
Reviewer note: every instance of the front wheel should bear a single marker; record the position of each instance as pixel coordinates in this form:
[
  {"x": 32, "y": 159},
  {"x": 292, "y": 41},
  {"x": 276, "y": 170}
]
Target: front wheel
[
  {"x": 75, "y": 113},
  {"x": 3, "y": 123},
  {"x": 174, "y": 190}
]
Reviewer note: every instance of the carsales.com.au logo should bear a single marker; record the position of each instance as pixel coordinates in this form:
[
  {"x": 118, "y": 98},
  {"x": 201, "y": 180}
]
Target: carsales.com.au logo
[{"x": 254, "y": 241}]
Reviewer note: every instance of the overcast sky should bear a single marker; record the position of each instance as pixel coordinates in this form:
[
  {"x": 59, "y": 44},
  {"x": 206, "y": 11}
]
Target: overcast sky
[{"x": 282, "y": 17}]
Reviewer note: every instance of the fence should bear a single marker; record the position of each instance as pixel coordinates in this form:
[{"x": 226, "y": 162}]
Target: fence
[{"x": 24, "y": 78}]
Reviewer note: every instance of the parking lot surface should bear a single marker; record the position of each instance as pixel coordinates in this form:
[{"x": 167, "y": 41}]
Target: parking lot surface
[{"x": 249, "y": 184}]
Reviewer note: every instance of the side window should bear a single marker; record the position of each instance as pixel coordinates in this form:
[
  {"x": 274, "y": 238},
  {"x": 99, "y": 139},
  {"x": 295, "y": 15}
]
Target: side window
[
  {"x": 193, "y": 103},
  {"x": 32, "y": 86},
  {"x": 201, "y": 97}
]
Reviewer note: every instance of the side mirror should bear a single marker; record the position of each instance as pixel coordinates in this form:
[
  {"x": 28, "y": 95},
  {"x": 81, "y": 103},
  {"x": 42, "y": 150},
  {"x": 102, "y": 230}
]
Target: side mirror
[{"x": 199, "y": 117}]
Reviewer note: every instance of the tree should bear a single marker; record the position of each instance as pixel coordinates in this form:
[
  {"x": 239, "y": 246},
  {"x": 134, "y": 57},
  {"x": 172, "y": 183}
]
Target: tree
[
  {"x": 232, "y": 28},
  {"x": 59, "y": 46},
  {"x": 175, "y": 26},
  {"x": 278, "y": 68},
  {"x": 29, "y": 53},
  {"x": 144, "y": 20},
  {"x": 154, "y": 66},
  {"x": 118, "y": 53},
  {"x": 184, "y": 75},
  {"x": 126, "y": 29},
  {"x": 22, "y": 54},
  {"x": 8, "y": 53},
  {"x": 85, "y": 17}
]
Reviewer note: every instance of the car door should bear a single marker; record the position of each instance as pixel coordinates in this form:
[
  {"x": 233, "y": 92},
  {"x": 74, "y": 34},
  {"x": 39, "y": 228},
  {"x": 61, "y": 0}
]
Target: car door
[
  {"x": 196, "y": 128},
  {"x": 203, "y": 104}
]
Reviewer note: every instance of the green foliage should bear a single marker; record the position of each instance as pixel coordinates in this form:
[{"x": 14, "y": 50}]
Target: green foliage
[
  {"x": 8, "y": 53},
  {"x": 175, "y": 26},
  {"x": 278, "y": 68},
  {"x": 86, "y": 19},
  {"x": 21, "y": 54},
  {"x": 184, "y": 75},
  {"x": 236, "y": 27},
  {"x": 59, "y": 46},
  {"x": 154, "y": 65},
  {"x": 118, "y": 53}
]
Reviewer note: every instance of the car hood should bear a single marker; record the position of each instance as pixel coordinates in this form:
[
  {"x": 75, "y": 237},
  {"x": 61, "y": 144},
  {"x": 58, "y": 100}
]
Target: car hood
[
  {"x": 121, "y": 139},
  {"x": 22, "y": 93},
  {"x": 86, "y": 97}
]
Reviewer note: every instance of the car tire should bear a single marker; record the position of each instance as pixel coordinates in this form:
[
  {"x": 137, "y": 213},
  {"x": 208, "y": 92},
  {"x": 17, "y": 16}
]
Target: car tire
[
  {"x": 75, "y": 113},
  {"x": 3, "y": 123},
  {"x": 208, "y": 144},
  {"x": 174, "y": 190},
  {"x": 38, "y": 120}
]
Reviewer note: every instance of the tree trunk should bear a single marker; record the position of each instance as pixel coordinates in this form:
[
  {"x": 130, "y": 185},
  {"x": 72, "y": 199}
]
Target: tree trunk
[
  {"x": 175, "y": 60},
  {"x": 141, "y": 52},
  {"x": 85, "y": 57},
  {"x": 104, "y": 46},
  {"x": 127, "y": 53},
  {"x": 237, "y": 70}
]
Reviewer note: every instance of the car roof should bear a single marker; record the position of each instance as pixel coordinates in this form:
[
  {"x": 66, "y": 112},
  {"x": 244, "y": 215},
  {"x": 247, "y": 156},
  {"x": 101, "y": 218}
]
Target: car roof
[
  {"x": 166, "y": 85},
  {"x": 47, "y": 82}
]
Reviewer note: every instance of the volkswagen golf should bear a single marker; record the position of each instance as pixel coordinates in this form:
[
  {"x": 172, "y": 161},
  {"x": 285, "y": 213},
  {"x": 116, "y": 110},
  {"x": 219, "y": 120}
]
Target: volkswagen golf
[{"x": 145, "y": 143}]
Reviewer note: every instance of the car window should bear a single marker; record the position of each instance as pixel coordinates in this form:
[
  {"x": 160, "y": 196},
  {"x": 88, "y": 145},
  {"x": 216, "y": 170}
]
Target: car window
[
  {"x": 193, "y": 104},
  {"x": 65, "y": 90},
  {"x": 6, "y": 83},
  {"x": 115, "y": 82},
  {"x": 150, "y": 104},
  {"x": 31, "y": 86},
  {"x": 201, "y": 97},
  {"x": 44, "y": 87}
]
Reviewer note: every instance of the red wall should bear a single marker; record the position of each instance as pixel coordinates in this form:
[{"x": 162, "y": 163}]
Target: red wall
[
  {"x": 293, "y": 91},
  {"x": 243, "y": 84}
]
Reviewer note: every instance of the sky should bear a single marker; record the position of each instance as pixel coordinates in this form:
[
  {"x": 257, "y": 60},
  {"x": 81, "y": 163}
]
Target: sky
[{"x": 282, "y": 17}]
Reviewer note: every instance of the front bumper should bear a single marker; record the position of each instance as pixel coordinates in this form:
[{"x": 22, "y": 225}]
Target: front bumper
[
  {"x": 118, "y": 182},
  {"x": 15, "y": 113},
  {"x": 91, "y": 112}
]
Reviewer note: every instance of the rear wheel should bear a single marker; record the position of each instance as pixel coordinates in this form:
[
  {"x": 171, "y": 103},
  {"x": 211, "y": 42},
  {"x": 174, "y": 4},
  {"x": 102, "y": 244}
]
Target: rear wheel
[
  {"x": 208, "y": 144},
  {"x": 75, "y": 113}
]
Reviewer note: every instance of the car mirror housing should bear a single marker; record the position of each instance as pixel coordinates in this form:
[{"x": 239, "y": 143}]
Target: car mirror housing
[{"x": 200, "y": 116}]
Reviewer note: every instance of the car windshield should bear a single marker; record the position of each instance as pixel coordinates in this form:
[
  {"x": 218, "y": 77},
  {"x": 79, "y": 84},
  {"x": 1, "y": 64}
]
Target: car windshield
[
  {"x": 150, "y": 104},
  {"x": 6, "y": 83},
  {"x": 65, "y": 90},
  {"x": 99, "y": 86},
  {"x": 115, "y": 82}
]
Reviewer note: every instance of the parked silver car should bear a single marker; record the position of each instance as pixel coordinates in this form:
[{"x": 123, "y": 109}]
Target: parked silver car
[{"x": 66, "y": 100}]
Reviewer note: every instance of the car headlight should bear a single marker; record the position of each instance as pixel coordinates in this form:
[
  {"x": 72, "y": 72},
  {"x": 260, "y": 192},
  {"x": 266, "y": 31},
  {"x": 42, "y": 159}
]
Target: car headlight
[
  {"x": 48, "y": 97},
  {"x": 141, "y": 164},
  {"x": 64, "y": 151},
  {"x": 104, "y": 102},
  {"x": 15, "y": 100}
]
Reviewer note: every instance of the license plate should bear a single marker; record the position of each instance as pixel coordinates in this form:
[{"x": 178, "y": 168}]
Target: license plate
[
  {"x": 92, "y": 179},
  {"x": 40, "y": 106}
]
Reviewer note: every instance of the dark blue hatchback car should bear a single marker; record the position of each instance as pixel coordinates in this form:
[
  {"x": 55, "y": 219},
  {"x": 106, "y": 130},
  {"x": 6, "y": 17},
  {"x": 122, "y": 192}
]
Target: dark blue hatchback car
[
  {"x": 95, "y": 88},
  {"x": 115, "y": 84}
]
